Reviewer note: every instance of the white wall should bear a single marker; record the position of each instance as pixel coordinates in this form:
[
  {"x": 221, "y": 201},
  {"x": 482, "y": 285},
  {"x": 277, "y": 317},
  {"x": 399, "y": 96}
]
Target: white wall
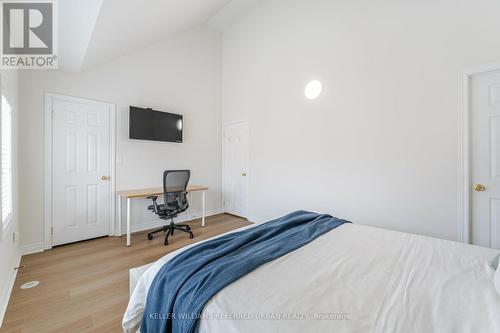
[
  {"x": 180, "y": 75},
  {"x": 9, "y": 250},
  {"x": 380, "y": 146}
]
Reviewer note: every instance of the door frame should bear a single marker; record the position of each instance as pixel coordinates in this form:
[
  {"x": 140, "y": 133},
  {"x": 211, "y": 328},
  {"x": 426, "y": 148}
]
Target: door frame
[
  {"x": 465, "y": 149},
  {"x": 229, "y": 123},
  {"x": 48, "y": 127}
]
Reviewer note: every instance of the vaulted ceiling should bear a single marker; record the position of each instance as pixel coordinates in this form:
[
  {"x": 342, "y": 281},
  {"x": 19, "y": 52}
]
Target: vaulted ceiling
[{"x": 93, "y": 32}]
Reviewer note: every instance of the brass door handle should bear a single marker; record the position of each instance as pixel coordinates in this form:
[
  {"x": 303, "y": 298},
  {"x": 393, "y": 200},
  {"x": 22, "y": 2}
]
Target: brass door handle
[
  {"x": 479, "y": 188},
  {"x": 104, "y": 178},
  {"x": 244, "y": 174}
]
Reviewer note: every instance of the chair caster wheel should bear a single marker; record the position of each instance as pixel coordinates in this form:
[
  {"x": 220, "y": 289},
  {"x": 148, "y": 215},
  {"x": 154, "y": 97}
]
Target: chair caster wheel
[
  {"x": 165, "y": 243},
  {"x": 191, "y": 235},
  {"x": 150, "y": 237}
]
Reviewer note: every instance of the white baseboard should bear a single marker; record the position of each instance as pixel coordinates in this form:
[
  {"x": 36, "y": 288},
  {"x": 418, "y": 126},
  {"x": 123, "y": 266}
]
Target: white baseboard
[
  {"x": 31, "y": 248},
  {"x": 4, "y": 298},
  {"x": 157, "y": 223}
]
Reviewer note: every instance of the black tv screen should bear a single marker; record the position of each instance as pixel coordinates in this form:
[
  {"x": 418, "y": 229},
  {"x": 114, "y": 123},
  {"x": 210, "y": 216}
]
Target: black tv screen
[{"x": 148, "y": 124}]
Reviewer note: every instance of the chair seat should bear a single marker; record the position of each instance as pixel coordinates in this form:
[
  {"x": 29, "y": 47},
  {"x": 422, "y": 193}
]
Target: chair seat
[{"x": 165, "y": 209}]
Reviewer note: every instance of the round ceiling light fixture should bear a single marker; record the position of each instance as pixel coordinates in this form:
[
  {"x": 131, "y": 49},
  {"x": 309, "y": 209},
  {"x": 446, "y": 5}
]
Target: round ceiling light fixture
[{"x": 313, "y": 89}]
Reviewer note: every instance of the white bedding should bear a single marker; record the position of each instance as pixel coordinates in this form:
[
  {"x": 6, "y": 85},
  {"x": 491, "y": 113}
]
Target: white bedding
[{"x": 359, "y": 279}]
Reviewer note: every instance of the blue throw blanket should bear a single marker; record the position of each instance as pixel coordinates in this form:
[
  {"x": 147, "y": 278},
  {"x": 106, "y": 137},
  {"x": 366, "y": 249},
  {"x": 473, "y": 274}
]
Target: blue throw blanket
[{"x": 186, "y": 283}]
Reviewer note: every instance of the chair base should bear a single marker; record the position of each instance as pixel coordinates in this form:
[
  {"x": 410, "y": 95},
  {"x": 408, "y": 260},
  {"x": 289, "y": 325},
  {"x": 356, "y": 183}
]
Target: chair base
[{"x": 169, "y": 229}]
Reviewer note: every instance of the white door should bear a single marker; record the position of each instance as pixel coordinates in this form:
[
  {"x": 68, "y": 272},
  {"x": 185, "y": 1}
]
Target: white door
[
  {"x": 485, "y": 177},
  {"x": 81, "y": 166},
  {"x": 235, "y": 166}
]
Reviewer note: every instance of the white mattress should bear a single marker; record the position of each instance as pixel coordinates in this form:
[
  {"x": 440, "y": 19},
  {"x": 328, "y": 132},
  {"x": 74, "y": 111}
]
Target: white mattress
[
  {"x": 357, "y": 279},
  {"x": 134, "y": 276}
]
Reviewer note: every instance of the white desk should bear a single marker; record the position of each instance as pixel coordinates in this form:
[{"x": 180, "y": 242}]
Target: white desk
[{"x": 142, "y": 193}]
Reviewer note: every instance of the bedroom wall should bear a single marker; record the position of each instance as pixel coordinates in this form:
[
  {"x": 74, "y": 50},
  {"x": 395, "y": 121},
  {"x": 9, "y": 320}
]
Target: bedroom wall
[
  {"x": 380, "y": 145},
  {"x": 9, "y": 249},
  {"x": 180, "y": 75}
]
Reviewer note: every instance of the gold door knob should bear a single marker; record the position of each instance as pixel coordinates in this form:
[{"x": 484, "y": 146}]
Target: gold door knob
[
  {"x": 479, "y": 187},
  {"x": 104, "y": 178}
]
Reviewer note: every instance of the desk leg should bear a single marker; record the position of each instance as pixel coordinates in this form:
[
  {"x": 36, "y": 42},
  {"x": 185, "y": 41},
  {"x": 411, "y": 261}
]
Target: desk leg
[
  {"x": 128, "y": 222},
  {"x": 202, "y": 208},
  {"x": 191, "y": 210},
  {"x": 120, "y": 233}
]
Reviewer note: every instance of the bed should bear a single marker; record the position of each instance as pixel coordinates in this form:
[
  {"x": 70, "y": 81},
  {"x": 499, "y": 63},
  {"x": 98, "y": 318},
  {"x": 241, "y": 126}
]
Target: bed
[{"x": 352, "y": 279}]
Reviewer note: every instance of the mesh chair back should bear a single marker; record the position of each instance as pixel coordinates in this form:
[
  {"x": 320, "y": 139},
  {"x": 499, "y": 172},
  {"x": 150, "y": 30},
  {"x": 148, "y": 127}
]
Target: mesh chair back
[{"x": 175, "y": 184}]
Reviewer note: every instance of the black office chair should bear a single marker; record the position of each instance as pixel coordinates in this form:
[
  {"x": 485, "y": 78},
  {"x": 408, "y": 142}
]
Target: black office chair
[{"x": 175, "y": 201}]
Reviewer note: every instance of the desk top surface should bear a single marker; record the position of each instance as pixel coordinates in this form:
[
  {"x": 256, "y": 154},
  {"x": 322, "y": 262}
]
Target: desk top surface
[{"x": 154, "y": 191}]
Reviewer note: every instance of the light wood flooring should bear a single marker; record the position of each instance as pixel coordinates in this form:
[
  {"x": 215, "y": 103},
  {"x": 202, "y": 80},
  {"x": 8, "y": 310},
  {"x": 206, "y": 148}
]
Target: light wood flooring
[{"x": 84, "y": 286}]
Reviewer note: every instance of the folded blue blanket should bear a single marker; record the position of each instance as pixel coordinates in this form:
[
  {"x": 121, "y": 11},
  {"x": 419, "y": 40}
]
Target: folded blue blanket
[{"x": 186, "y": 283}]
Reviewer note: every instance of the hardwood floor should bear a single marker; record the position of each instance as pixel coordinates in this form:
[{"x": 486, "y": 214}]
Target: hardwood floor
[{"x": 84, "y": 286}]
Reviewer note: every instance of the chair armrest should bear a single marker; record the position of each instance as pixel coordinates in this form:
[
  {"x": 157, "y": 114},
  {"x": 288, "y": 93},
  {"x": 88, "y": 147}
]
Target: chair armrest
[
  {"x": 155, "y": 205},
  {"x": 183, "y": 206}
]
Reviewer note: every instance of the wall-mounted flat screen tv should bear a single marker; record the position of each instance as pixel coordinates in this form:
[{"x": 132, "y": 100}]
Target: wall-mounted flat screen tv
[{"x": 148, "y": 124}]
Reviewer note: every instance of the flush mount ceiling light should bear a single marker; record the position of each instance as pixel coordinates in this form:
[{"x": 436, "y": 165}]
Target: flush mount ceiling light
[{"x": 313, "y": 89}]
